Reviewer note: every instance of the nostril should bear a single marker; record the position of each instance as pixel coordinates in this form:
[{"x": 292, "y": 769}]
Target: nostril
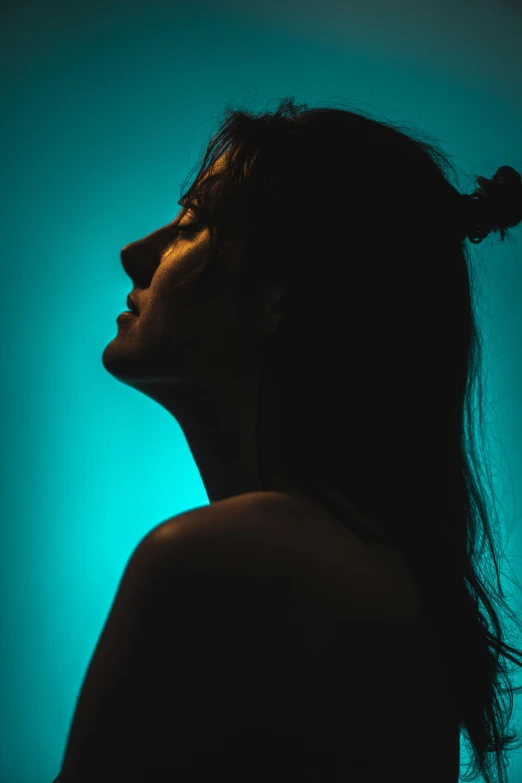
[{"x": 132, "y": 307}]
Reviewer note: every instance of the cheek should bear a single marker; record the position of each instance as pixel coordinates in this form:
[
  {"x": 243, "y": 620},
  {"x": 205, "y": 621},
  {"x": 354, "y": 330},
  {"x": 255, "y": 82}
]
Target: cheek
[
  {"x": 224, "y": 342},
  {"x": 198, "y": 307},
  {"x": 181, "y": 262}
]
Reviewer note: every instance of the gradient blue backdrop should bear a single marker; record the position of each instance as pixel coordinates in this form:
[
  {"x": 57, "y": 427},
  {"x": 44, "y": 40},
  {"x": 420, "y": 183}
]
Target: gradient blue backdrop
[{"x": 105, "y": 107}]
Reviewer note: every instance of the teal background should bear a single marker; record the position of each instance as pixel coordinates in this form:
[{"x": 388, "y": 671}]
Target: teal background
[{"x": 105, "y": 108}]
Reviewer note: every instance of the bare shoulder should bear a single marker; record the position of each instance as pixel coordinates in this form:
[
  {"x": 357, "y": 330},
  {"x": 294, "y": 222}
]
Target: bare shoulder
[
  {"x": 273, "y": 523},
  {"x": 281, "y": 534},
  {"x": 252, "y": 541},
  {"x": 241, "y": 525},
  {"x": 250, "y": 507}
]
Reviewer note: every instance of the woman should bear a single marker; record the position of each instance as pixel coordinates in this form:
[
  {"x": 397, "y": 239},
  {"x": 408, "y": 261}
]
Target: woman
[{"x": 307, "y": 319}]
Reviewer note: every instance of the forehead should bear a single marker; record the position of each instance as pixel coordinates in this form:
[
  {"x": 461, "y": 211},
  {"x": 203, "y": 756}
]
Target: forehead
[
  {"x": 209, "y": 180},
  {"x": 214, "y": 171}
]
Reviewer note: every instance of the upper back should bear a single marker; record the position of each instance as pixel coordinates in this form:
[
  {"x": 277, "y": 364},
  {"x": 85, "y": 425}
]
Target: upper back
[{"x": 358, "y": 646}]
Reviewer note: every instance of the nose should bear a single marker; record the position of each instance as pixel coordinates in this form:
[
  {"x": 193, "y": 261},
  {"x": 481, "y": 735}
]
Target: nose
[
  {"x": 138, "y": 261},
  {"x": 141, "y": 258}
]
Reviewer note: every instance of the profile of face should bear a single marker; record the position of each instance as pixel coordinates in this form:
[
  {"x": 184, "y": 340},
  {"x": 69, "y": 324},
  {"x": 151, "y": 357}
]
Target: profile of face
[{"x": 190, "y": 350}]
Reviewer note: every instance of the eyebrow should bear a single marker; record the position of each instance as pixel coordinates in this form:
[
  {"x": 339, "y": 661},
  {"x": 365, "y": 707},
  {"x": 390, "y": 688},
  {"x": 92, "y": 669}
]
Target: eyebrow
[
  {"x": 190, "y": 206},
  {"x": 193, "y": 202},
  {"x": 211, "y": 178},
  {"x": 207, "y": 180}
]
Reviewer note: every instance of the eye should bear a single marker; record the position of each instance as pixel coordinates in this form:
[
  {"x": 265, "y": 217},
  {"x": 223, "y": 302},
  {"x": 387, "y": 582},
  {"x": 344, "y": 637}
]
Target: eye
[
  {"x": 189, "y": 228},
  {"x": 195, "y": 222}
]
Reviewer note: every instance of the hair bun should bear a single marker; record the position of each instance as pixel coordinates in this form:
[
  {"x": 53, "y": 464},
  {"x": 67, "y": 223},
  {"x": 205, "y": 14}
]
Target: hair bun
[{"x": 496, "y": 205}]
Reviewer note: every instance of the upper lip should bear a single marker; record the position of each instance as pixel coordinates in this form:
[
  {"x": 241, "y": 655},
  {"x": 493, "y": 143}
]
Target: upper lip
[{"x": 131, "y": 304}]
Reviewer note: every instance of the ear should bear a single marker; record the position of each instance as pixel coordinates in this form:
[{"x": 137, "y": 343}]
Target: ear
[{"x": 274, "y": 309}]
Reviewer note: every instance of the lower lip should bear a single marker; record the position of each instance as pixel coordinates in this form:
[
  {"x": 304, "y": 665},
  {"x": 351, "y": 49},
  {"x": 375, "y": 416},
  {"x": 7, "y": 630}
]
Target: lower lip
[{"x": 127, "y": 315}]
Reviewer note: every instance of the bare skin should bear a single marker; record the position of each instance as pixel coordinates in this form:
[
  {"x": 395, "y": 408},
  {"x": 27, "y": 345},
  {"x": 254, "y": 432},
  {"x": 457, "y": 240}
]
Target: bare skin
[{"x": 189, "y": 351}]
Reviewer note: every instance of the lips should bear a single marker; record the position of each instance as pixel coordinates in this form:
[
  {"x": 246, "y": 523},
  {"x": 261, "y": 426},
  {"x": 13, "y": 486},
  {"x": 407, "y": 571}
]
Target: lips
[{"x": 132, "y": 306}]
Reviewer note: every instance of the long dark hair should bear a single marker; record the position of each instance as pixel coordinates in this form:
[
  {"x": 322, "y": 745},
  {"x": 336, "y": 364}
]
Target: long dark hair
[{"x": 378, "y": 359}]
